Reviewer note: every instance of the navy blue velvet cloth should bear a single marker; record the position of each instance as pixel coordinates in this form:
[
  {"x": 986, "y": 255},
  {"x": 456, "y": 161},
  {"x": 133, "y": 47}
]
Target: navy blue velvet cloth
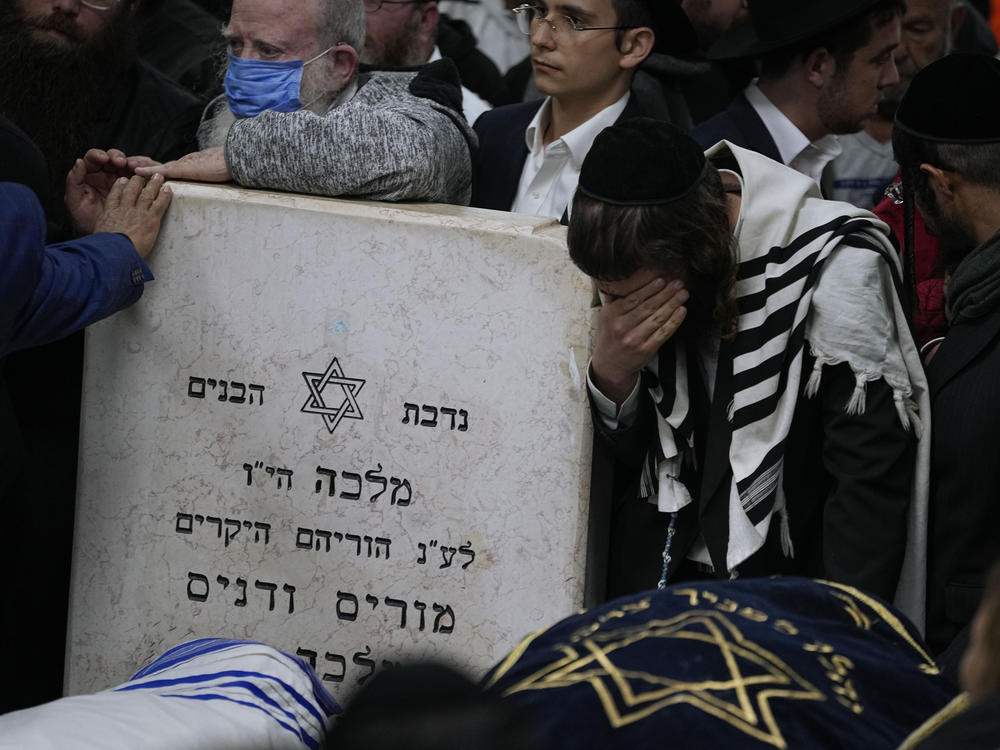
[{"x": 782, "y": 662}]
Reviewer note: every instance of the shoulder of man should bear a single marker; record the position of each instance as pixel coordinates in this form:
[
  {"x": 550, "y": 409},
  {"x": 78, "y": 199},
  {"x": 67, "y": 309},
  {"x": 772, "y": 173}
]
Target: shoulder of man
[{"x": 434, "y": 86}]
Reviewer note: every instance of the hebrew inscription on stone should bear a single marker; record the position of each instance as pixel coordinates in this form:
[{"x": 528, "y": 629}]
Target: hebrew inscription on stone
[{"x": 357, "y": 432}]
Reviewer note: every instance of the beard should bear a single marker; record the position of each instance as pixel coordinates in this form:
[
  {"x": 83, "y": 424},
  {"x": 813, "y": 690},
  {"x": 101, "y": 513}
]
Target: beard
[
  {"x": 835, "y": 114},
  {"x": 953, "y": 239},
  {"x": 55, "y": 92},
  {"x": 401, "y": 50}
]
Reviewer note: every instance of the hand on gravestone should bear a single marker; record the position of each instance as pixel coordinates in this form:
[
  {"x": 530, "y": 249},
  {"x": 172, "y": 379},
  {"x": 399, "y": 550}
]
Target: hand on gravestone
[
  {"x": 89, "y": 182},
  {"x": 135, "y": 208},
  {"x": 630, "y": 331},
  {"x": 203, "y": 166}
]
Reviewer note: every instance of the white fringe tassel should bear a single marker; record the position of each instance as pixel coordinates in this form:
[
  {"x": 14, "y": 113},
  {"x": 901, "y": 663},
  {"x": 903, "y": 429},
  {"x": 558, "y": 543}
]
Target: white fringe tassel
[
  {"x": 857, "y": 404},
  {"x": 906, "y": 408},
  {"x": 812, "y": 387},
  {"x": 786, "y": 532}
]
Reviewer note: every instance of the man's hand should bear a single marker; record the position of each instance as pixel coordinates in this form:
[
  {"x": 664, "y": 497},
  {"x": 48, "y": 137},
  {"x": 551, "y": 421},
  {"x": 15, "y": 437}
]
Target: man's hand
[
  {"x": 630, "y": 331},
  {"x": 135, "y": 207},
  {"x": 90, "y": 180},
  {"x": 203, "y": 166}
]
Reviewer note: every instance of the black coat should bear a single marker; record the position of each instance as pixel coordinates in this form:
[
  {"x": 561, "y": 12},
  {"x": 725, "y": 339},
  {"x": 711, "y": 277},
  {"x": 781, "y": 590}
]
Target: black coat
[
  {"x": 965, "y": 474},
  {"x": 739, "y": 124},
  {"x": 847, "y": 482}
]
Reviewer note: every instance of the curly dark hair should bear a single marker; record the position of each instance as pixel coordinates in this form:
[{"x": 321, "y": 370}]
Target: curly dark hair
[{"x": 689, "y": 239}]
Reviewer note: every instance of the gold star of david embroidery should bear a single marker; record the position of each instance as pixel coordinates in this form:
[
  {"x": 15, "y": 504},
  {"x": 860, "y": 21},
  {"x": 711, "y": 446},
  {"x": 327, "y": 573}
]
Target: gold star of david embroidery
[{"x": 754, "y": 676}]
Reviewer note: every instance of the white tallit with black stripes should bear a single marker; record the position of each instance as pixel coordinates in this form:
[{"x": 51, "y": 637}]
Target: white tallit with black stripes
[{"x": 810, "y": 272}]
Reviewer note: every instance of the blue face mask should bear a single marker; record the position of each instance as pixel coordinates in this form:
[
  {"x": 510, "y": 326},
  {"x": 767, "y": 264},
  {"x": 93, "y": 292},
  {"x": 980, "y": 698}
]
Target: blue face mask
[{"x": 253, "y": 86}]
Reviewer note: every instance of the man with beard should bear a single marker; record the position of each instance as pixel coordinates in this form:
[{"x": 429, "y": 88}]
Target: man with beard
[
  {"x": 824, "y": 65},
  {"x": 948, "y": 146},
  {"x": 865, "y": 167},
  {"x": 752, "y": 371},
  {"x": 71, "y": 80},
  {"x": 298, "y": 116},
  {"x": 405, "y": 34}
]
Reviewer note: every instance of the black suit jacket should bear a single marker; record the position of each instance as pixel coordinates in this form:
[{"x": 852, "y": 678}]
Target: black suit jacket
[
  {"x": 499, "y": 160},
  {"x": 965, "y": 474},
  {"x": 740, "y": 124},
  {"x": 847, "y": 481}
]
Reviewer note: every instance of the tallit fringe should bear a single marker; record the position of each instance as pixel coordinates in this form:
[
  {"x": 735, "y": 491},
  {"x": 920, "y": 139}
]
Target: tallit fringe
[
  {"x": 787, "y": 547},
  {"x": 668, "y": 492},
  {"x": 906, "y": 408},
  {"x": 812, "y": 387},
  {"x": 858, "y": 401}
]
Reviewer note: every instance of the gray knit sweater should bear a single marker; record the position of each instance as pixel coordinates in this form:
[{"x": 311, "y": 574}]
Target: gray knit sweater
[{"x": 384, "y": 143}]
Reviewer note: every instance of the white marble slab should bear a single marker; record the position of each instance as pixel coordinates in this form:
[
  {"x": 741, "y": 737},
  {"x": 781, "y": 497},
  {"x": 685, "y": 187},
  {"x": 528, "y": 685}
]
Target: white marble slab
[{"x": 278, "y": 350}]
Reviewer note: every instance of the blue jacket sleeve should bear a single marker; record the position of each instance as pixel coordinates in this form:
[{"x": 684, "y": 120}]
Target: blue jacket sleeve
[{"x": 47, "y": 292}]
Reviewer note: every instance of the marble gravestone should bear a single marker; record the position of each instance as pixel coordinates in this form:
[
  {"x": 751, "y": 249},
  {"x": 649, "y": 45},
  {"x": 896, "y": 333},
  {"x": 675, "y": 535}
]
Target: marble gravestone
[{"x": 355, "y": 431}]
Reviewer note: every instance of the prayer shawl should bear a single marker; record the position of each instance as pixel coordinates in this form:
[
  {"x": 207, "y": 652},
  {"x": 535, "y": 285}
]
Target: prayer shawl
[
  {"x": 210, "y": 694},
  {"x": 810, "y": 271}
]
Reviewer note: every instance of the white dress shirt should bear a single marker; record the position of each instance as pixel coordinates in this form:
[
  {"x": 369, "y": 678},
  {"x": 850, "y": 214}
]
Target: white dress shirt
[
  {"x": 809, "y": 158},
  {"x": 551, "y": 173}
]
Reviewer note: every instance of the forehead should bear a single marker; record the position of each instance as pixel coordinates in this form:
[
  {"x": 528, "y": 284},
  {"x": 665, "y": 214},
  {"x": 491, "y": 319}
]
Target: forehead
[
  {"x": 937, "y": 9},
  {"x": 589, "y": 8},
  {"x": 885, "y": 38},
  {"x": 289, "y": 22},
  {"x": 624, "y": 287}
]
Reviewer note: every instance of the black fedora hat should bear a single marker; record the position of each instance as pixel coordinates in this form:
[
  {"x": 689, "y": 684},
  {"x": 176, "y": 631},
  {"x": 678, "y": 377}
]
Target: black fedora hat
[
  {"x": 775, "y": 24},
  {"x": 674, "y": 33}
]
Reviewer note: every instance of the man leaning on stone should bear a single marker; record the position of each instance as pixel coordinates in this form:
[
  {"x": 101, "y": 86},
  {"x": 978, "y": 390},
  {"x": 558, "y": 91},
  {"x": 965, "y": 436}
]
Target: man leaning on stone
[{"x": 298, "y": 115}]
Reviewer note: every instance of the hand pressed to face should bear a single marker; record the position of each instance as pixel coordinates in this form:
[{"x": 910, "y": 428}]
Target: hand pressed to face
[{"x": 639, "y": 314}]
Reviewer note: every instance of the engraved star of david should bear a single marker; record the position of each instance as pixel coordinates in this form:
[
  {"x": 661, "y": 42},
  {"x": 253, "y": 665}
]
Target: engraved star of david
[
  {"x": 348, "y": 389},
  {"x": 741, "y": 698}
]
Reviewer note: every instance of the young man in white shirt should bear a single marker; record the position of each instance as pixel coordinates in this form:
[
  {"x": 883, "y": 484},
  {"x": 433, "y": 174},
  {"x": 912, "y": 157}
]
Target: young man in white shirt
[
  {"x": 824, "y": 67},
  {"x": 584, "y": 54}
]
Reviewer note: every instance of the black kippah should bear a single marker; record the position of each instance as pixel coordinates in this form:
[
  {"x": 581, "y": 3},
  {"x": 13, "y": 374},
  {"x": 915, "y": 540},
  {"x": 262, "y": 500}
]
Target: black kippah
[
  {"x": 641, "y": 162},
  {"x": 954, "y": 100}
]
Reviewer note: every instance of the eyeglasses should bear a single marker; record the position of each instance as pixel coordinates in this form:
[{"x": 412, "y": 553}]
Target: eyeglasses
[
  {"x": 530, "y": 16},
  {"x": 100, "y": 4},
  {"x": 374, "y": 6}
]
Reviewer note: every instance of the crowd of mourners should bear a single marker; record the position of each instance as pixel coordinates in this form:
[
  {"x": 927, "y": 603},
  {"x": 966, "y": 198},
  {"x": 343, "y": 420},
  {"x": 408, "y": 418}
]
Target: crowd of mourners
[{"x": 790, "y": 211}]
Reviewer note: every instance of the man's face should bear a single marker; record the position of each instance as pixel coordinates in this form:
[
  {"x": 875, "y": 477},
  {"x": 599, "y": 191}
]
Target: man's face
[
  {"x": 712, "y": 18},
  {"x": 65, "y": 24},
  {"x": 954, "y": 240},
  {"x": 926, "y": 37},
  {"x": 275, "y": 30},
  {"x": 852, "y": 95},
  {"x": 393, "y": 37},
  {"x": 575, "y": 65},
  {"x": 279, "y": 30}
]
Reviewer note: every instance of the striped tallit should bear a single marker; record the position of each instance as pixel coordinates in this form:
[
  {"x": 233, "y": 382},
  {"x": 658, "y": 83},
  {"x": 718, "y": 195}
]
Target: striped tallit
[
  {"x": 810, "y": 272},
  {"x": 208, "y": 694}
]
